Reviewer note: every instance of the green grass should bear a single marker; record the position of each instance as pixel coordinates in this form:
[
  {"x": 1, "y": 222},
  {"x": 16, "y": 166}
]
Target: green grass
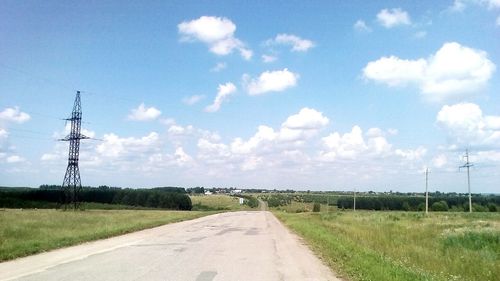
[
  {"x": 301, "y": 207},
  {"x": 26, "y": 232},
  {"x": 386, "y": 246},
  {"x": 217, "y": 203}
]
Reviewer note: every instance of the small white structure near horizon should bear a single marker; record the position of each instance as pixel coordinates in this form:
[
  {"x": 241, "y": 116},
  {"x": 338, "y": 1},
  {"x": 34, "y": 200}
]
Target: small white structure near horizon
[
  {"x": 208, "y": 193},
  {"x": 236, "y": 191}
]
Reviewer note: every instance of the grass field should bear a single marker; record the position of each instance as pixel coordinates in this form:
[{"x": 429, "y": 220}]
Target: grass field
[
  {"x": 26, "y": 232},
  {"x": 217, "y": 203},
  {"x": 385, "y": 246}
]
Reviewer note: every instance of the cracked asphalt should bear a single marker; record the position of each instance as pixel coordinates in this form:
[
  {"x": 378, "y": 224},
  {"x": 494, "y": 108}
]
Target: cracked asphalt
[{"x": 227, "y": 246}]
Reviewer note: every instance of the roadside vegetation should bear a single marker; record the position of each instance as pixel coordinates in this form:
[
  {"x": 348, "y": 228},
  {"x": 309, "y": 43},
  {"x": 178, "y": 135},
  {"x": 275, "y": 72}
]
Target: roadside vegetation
[
  {"x": 26, "y": 232},
  {"x": 365, "y": 245},
  {"x": 223, "y": 203},
  {"x": 384, "y": 202}
]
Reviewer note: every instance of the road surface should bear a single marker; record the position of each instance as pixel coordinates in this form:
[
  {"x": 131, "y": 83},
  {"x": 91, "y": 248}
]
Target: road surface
[{"x": 228, "y": 246}]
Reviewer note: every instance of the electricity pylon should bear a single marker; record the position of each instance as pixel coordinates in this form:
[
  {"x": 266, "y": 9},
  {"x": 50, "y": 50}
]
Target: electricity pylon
[{"x": 72, "y": 183}]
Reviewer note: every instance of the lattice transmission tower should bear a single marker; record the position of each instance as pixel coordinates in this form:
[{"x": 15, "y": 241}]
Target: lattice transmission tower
[{"x": 72, "y": 183}]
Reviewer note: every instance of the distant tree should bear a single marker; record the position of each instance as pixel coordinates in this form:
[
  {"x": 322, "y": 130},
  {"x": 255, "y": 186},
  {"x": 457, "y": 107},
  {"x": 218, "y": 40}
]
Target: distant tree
[
  {"x": 492, "y": 207},
  {"x": 406, "y": 206},
  {"x": 440, "y": 206}
]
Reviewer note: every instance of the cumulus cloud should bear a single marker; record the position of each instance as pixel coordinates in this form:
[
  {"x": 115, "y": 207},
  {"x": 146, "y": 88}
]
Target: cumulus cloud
[
  {"x": 454, "y": 71},
  {"x": 411, "y": 154},
  {"x": 193, "y": 99},
  {"x": 14, "y": 114},
  {"x": 143, "y": 113},
  {"x": 393, "y": 17},
  {"x": 296, "y": 129},
  {"x": 216, "y": 32},
  {"x": 360, "y": 25},
  {"x": 128, "y": 153},
  {"x": 181, "y": 157},
  {"x": 353, "y": 144},
  {"x": 223, "y": 92},
  {"x": 306, "y": 119},
  {"x": 270, "y": 81},
  {"x": 298, "y": 44},
  {"x": 466, "y": 125}
]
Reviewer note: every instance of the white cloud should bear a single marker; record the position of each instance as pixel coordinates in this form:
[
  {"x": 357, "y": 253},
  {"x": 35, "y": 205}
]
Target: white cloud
[
  {"x": 264, "y": 134},
  {"x": 223, "y": 92},
  {"x": 440, "y": 161},
  {"x": 454, "y": 71},
  {"x": 268, "y": 58},
  {"x": 352, "y": 145},
  {"x": 306, "y": 119},
  {"x": 142, "y": 113},
  {"x": 181, "y": 157},
  {"x": 216, "y": 32},
  {"x": 411, "y": 154},
  {"x": 13, "y": 114},
  {"x": 298, "y": 44},
  {"x": 193, "y": 99},
  {"x": 116, "y": 147},
  {"x": 50, "y": 157},
  {"x": 218, "y": 67},
  {"x": 360, "y": 25},
  {"x": 393, "y": 17},
  {"x": 460, "y": 5},
  {"x": 296, "y": 129},
  {"x": 466, "y": 125},
  {"x": 394, "y": 71},
  {"x": 270, "y": 81},
  {"x": 492, "y": 4},
  {"x": 15, "y": 159},
  {"x": 3, "y": 133}
]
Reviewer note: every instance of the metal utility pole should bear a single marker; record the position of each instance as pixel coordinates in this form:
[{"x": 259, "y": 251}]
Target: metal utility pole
[
  {"x": 426, "y": 191},
  {"x": 468, "y": 165},
  {"x": 72, "y": 183}
]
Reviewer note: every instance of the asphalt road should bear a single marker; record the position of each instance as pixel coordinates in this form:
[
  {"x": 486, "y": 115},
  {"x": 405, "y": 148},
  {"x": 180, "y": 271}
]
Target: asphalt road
[{"x": 229, "y": 246}]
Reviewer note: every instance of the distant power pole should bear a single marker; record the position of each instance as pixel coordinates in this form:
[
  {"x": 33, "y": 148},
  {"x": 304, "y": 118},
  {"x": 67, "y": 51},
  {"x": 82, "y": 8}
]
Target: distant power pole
[
  {"x": 354, "y": 209},
  {"x": 426, "y": 190},
  {"x": 468, "y": 165},
  {"x": 72, "y": 183}
]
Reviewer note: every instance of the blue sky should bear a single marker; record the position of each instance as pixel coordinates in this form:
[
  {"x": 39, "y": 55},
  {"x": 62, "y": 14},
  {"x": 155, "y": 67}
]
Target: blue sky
[{"x": 329, "y": 95}]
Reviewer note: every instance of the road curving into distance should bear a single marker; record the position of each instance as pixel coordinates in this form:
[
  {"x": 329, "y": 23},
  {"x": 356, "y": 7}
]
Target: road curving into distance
[{"x": 228, "y": 246}]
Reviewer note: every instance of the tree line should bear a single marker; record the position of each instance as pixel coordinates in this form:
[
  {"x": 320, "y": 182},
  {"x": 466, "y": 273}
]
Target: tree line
[
  {"x": 481, "y": 203},
  {"x": 51, "y": 196}
]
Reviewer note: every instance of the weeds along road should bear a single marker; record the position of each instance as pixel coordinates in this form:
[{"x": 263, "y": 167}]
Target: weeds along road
[{"x": 228, "y": 246}]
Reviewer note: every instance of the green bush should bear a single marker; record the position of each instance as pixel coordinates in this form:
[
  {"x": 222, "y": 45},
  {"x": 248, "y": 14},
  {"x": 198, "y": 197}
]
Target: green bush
[
  {"x": 440, "y": 206},
  {"x": 316, "y": 207},
  {"x": 492, "y": 207}
]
